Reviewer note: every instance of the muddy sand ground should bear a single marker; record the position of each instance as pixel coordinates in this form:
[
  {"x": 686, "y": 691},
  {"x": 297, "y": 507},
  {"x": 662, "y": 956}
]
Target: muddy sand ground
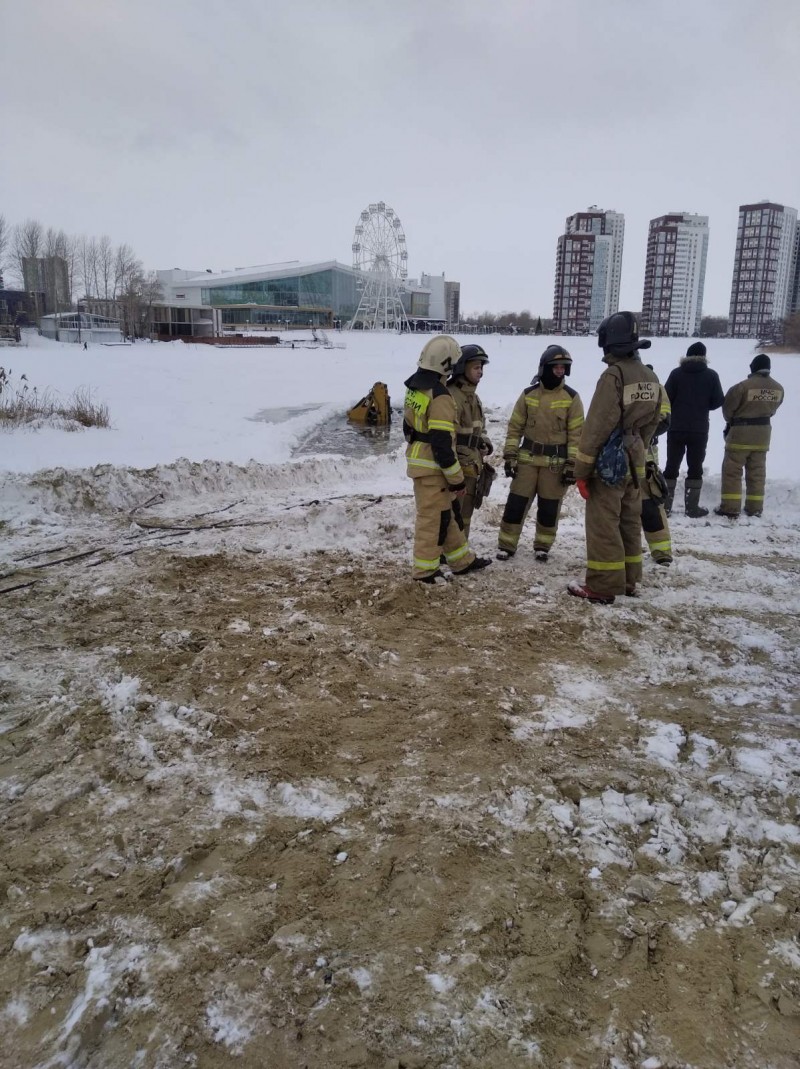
[{"x": 265, "y": 811}]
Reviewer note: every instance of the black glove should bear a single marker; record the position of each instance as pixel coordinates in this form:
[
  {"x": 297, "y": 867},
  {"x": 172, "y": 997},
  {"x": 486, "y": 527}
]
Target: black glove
[
  {"x": 568, "y": 475},
  {"x": 725, "y": 432},
  {"x": 510, "y": 469}
]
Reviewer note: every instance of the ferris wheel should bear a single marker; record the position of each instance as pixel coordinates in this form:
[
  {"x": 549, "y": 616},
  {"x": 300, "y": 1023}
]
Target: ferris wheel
[
  {"x": 379, "y": 243},
  {"x": 381, "y": 260}
]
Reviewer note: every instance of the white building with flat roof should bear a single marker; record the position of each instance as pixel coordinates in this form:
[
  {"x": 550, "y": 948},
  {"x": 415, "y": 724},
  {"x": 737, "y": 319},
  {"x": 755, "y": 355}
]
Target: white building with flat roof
[
  {"x": 289, "y": 294},
  {"x": 81, "y": 327}
]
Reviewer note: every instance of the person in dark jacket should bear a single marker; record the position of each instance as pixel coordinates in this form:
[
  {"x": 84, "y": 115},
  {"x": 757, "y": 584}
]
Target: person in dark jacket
[{"x": 694, "y": 390}]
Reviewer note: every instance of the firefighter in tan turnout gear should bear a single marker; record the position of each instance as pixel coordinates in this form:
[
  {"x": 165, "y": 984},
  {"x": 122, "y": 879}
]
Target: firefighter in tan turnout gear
[
  {"x": 655, "y": 524},
  {"x": 626, "y": 400},
  {"x": 429, "y": 417},
  {"x": 748, "y": 409},
  {"x": 539, "y": 453},
  {"x": 472, "y": 442}
]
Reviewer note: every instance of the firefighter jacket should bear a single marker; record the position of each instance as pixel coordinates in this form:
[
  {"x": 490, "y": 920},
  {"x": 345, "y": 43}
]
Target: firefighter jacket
[
  {"x": 429, "y": 427},
  {"x": 748, "y": 408},
  {"x": 471, "y": 440},
  {"x": 664, "y": 421},
  {"x": 627, "y": 395},
  {"x": 545, "y": 426}
]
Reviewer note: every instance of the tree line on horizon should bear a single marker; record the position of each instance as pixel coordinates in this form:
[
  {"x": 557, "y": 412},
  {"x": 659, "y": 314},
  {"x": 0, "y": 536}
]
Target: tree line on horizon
[
  {"x": 96, "y": 268},
  {"x": 525, "y": 323}
]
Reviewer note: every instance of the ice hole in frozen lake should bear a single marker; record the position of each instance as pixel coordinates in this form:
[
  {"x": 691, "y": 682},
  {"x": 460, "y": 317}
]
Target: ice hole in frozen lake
[
  {"x": 340, "y": 437},
  {"x": 337, "y": 435}
]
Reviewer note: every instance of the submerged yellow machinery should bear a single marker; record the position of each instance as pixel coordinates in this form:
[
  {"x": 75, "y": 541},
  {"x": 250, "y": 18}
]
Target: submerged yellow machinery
[{"x": 374, "y": 410}]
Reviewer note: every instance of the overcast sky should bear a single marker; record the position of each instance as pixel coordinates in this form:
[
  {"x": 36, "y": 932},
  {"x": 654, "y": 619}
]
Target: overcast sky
[{"x": 223, "y": 133}]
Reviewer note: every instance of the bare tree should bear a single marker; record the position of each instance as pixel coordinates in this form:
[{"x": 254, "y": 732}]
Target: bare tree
[
  {"x": 142, "y": 292},
  {"x": 28, "y": 241},
  {"x": 152, "y": 292},
  {"x": 51, "y": 241},
  {"x": 5, "y": 241},
  {"x": 126, "y": 269},
  {"x": 87, "y": 265},
  {"x": 105, "y": 267},
  {"x": 713, "y": 326},
  {"x": 72, "y": 258},
  {"x": 95, "y": 268},
  {"x": 59, "y": 243}
]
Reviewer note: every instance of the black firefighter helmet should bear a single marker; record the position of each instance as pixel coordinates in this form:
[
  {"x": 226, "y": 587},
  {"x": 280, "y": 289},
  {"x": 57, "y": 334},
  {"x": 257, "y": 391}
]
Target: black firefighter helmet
[
  {"x": 468, "y": 353},
  {"x": 618, "y": 334},
  {"x": 555, "y": 354}
]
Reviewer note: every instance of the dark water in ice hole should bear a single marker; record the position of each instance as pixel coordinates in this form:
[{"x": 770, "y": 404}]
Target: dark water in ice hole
[{"x": 337, "y": 435}]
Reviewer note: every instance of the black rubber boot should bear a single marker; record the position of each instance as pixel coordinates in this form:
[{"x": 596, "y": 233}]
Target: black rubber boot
[
  {"x": 670, "y": 495},
  {"x": 438, "y": 574},
  {"x": 474, "y": 566},
  {"x": 691, "y": 499}
]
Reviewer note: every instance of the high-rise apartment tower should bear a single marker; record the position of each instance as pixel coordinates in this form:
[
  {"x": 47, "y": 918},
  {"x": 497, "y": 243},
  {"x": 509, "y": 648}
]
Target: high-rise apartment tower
[
  {"x": 764, "y": 269},
  {"x": 588, "y": 270},
  {"x": 674, "y": 274}
]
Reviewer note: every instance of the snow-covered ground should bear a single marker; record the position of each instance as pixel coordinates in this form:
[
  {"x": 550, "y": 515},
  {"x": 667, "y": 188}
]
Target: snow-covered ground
[
  {"x": 268, "y": 802},
  {"x": 170, "y": 401}
]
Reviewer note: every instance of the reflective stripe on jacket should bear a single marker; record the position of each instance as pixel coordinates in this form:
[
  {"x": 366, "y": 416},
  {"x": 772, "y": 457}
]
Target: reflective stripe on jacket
[
  {"x": 759, "y": 396},
  {"x": 469, "y": 421},
  {"x": 546, "y": 417},
  {"x": 429, "y": 416}
]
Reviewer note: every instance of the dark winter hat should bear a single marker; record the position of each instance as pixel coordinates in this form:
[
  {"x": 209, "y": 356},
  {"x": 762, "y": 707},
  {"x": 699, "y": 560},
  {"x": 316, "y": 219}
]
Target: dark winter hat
[
  {"x": 760, "y": 363},
  {"x": 696, "y": 349}
]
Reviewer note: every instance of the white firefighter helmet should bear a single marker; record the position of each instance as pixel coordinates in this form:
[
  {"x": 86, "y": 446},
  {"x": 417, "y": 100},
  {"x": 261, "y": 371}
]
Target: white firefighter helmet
[{"x": 440, "y": 354}]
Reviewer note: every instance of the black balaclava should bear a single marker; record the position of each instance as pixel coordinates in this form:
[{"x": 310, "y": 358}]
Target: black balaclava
[{"x": 549, "y": 379}]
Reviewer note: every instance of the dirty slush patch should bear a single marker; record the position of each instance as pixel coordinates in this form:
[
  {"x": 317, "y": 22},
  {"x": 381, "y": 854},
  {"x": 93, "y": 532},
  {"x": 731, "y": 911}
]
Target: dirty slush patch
[{"x": 285, "y": 814}]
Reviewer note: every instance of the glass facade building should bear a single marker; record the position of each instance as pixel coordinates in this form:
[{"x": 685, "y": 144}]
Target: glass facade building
[{"x": 318, "y": 298}]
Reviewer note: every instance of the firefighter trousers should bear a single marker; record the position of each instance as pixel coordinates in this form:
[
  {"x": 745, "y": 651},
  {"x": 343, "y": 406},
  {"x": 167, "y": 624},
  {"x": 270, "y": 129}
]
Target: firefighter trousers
[
  {"x": 532, "y": 481},
  {"x": 467, "y": 502},
  {"x": 438, "y": 528},
  {"x": 655, "y": 525},
  {"x": 613, "y": 537},
  {"x": 754, "y": 463}
]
